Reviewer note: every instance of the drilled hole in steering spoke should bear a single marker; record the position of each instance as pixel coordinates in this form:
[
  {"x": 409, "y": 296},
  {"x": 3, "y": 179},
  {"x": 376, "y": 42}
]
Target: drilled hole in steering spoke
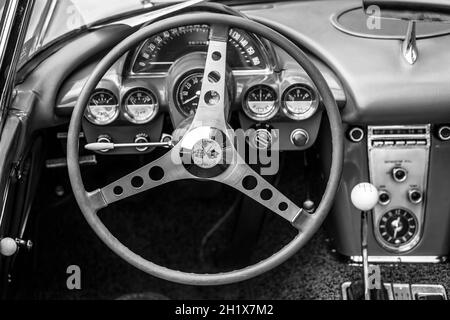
[
  {"x": 214, "y": 77},
  {"x": 137, "y": 182},
  {"x": 283, "y": 206},
  {"x": 216, "y": 56},
  {"x": 156, "y": 173},
  {"x": 266, "y": 194},
  {"x": 249, "y": 183},
  {"x": 212, "y": 98},
  {"x": 118, "y": 191}
]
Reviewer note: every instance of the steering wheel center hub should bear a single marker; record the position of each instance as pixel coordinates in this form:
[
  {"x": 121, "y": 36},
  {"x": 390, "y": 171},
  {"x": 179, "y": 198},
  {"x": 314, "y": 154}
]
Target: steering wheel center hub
[{"x": 207, "y": 153}]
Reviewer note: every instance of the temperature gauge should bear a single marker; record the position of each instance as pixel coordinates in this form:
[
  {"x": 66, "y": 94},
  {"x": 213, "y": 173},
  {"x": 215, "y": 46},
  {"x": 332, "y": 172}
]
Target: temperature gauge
[
  {"x": 140, "y": 106},
  {"x": 299, "y": 102},
  {"x": 260, "y": 103}
]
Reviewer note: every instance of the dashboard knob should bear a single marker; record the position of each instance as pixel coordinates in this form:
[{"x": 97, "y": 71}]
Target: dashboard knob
[
  {"x": 299, "y": 138},
  {"x": 104, "y": 139},
  {"x": 8, "y": 247},
  {"x": 399, "y": 174},
  {"x": 444, "y": 133},
  {"x": 415, "y": 196},
  {"x": 384, "y": 198},
  {"x": 142, "y": 138},
  {"x": 364, "y": 196}
]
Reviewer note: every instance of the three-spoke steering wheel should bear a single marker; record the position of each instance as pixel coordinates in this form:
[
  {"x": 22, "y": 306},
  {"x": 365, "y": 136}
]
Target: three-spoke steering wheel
[{"x": 206, "y": 151}]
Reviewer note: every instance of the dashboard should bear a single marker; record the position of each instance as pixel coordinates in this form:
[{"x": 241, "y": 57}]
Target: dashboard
[{"x": 267, "y": 90}]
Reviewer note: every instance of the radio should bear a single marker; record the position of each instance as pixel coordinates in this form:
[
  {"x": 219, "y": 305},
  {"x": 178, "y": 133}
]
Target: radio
[{"x": 398, "y": 165}]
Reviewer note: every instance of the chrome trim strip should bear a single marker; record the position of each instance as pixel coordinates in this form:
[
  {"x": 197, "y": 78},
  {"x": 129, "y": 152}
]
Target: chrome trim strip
[
  {"x": 4, "y": 38},
  {"x": 4, "y": 201},
  {"x": 401, "y": 259},
  {"x": 6, "y": 30},
  {"x": 46, "y": 25}
]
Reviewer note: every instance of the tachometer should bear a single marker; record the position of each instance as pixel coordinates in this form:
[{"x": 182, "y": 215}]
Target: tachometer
[
  {"x": 140, "y": 106},
  {"x": 299, "y": 102},
  {"x": 103, "y": 108},
  {"x": 188, "y": 93},
  {"x": 260, "y": 103},
  {"x": 157, "y": 54}
]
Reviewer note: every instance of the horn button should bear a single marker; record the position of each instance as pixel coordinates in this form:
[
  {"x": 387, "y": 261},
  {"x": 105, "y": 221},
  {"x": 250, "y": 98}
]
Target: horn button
[{"x": 206, "y": 152}]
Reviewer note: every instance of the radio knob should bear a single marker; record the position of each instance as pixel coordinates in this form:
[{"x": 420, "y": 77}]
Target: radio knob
[
  {"x": 415, "y": 196},
  {"x": 299, "y": 138},
  {"x": 384, "y": 198},
  {"x": 399, "y": 174}
]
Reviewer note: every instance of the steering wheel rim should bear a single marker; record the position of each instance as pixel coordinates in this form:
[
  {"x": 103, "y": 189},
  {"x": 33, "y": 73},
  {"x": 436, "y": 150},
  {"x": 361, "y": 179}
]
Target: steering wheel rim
[{"x": 307, "y": 224}]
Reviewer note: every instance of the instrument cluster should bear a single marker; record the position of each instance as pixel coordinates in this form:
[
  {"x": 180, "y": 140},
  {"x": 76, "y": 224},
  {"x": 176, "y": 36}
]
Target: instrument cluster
[{"x": 164, "y": 75}]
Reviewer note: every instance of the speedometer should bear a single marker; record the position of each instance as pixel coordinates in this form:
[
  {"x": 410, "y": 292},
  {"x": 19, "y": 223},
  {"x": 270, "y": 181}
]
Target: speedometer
[
  {"x": 140, "y": 106},
  {"x": 157, "y": 54},
  {"x": 103, "y": 108}
]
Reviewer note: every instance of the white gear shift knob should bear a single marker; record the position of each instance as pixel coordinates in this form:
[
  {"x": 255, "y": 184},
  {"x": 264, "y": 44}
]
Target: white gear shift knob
[{"x": 364, "y": 196}]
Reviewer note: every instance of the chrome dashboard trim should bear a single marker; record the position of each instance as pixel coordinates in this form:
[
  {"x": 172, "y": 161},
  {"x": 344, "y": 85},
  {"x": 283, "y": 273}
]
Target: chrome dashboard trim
[
  {"x": 376, "y": 176},
  {"x": 401, "y": 259}
]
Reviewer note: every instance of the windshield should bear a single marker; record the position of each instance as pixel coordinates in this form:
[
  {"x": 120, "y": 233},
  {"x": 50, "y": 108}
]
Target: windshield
[{"x": 52, "y": 19}]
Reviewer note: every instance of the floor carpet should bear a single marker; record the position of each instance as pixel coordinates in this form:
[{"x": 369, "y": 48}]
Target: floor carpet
[{"x": 167, "y": 226}]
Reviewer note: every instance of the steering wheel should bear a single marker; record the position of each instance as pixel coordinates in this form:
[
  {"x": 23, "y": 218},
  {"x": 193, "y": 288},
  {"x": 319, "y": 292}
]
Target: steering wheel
[{"x": 208, "y": 131}]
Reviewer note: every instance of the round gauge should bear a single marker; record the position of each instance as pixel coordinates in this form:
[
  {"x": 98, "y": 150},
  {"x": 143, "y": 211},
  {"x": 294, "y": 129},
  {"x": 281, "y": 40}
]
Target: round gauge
[
  {"x": 260, "y": 103},
  {"x": 158, "y": 53},
  {"x": 103, "y": 108},
  {"x": 398, "y": 227},
  {"x": 299, "y": 102},
  {"x": 140, "y": 106},
  {"x": 188, "y": 93}
]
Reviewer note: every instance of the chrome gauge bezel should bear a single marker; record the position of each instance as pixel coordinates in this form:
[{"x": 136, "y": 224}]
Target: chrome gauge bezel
[
  {"x": 179, "y": 87},
  {"x": 92, "y": 118},
  {"x": 261, "y": 118},
  {"x": 313, "y": 107},
  {"x": 402, "y": 247},
  {"x": 127, "y": 113}
]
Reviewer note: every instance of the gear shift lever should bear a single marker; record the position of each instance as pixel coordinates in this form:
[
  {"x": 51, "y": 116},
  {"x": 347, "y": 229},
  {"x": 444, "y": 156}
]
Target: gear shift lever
[{"x": 365, "y": 197}]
